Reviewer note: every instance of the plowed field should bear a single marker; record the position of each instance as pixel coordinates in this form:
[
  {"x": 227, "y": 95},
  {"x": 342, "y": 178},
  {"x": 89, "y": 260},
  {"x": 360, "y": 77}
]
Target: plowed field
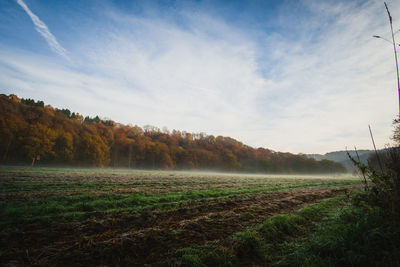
[{"x": 84, "y": 217}]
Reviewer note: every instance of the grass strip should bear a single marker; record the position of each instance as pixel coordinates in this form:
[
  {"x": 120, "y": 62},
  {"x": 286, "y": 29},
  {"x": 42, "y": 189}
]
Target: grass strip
[
  {"x": 263, "y": 244},
  {"x": 56, "y": 209}
]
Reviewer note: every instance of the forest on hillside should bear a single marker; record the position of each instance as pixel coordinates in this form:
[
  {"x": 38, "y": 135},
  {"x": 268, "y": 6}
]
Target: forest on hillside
[{"x": 35, "y": 133}]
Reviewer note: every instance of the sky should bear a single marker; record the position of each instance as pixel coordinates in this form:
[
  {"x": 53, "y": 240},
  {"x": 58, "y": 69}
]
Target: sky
[{"x": 292, "y": 76}]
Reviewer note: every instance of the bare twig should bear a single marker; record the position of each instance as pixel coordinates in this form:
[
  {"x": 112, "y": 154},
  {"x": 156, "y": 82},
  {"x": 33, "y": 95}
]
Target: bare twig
[
  {"x": 362, "y": 170},
  {"x": 376, "y": 152}
]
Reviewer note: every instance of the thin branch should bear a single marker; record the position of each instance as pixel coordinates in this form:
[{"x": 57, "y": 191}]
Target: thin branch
[
  {"x": 362, "y": 170},
  {"x": 376, "y": 152}
]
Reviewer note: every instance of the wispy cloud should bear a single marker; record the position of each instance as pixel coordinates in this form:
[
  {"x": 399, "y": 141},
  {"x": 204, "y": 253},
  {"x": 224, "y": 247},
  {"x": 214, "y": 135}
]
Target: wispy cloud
[{"x": 42, "y": 28}]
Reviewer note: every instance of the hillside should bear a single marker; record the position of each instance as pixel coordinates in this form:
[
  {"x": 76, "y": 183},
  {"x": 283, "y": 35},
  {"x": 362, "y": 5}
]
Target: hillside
[
  {"x": 342, "y": 157},
  {"x": 35, "y": 133}
]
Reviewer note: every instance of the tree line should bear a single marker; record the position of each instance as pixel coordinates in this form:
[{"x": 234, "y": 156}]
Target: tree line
[{"x": 33, "y": 133}]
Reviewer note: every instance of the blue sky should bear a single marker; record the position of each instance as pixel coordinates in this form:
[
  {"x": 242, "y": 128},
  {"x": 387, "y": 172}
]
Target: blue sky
[{"x": 297, "y": 76}]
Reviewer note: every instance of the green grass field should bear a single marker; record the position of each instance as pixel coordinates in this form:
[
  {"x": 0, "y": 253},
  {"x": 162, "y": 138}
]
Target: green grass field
[{"x": 64, "y": 216}]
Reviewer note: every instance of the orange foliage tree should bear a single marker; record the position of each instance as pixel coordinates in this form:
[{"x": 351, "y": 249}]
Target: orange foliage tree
[{"x": 30, "y": 130}]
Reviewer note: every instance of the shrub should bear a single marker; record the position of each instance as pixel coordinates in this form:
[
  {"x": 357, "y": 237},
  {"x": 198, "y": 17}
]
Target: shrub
[
  {"x": 356, "y": 236},
  {"x": 382, "y": 186}
]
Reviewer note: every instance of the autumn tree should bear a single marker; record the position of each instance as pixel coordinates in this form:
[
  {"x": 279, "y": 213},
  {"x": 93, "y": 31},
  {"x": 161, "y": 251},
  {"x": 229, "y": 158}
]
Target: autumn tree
[
  {"x": 64, "y": 147},
  {"x": 38, "y": 142},
  {"x": 92, "y": 150},
  {"x": 10, "y": 129},
  {"x": 229, "y": 161}
]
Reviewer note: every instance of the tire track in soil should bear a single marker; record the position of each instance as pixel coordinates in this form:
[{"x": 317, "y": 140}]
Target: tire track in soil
[{"x": 153, "y": 236}]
